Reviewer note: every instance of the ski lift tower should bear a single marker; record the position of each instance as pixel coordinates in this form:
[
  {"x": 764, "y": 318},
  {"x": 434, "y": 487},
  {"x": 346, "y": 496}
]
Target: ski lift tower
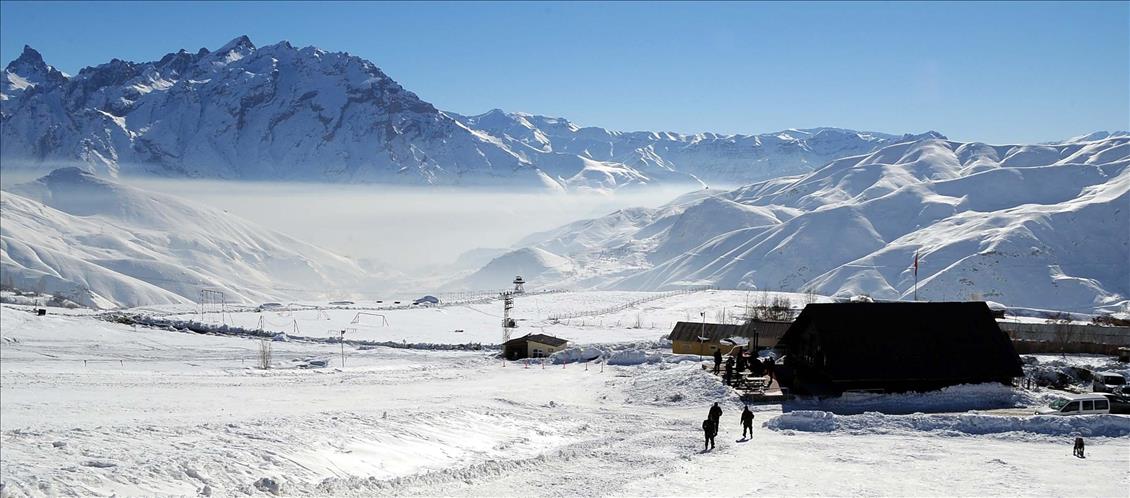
[
  {"x": 507, "y": 322},
  {"x": 518, "y": 283}
]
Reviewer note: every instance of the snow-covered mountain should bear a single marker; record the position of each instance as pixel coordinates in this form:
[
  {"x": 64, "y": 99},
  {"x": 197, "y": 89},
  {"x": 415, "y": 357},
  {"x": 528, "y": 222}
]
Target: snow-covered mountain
[
  {"x": 709, "y": 157},
  {"x": 284, "y": 113},
  {"x": 1039, "y": 226},
  {"x": 103, "y": 244}
]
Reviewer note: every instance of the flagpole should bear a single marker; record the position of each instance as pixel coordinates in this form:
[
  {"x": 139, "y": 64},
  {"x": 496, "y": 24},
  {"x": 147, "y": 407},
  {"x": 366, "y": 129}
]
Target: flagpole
[{"x": 916, "y": 276}]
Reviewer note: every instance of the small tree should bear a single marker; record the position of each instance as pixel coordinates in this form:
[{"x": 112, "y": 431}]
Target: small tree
[
  {"x": 809, "y": 296},
  {"x": 265, "y": 354}
]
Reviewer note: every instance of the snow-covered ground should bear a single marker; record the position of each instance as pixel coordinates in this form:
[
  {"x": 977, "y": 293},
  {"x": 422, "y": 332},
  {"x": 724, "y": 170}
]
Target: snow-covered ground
[
  {"x": 481, "y": 322},
  {"x": 97, "y": 408}
]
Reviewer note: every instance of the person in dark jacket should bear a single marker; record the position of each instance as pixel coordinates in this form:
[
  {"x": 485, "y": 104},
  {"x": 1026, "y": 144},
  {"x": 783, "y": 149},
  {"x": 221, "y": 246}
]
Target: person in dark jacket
[
  {"x": 715, "y": 415},
  {"x": 717, "y": 361},
  {"x": 729, "y": 378},
  {"x": 741, "y": 360},
  {"x": 1079, "y": 447},
  {"x": 747, "y": 422},
  {"x": 709, "y": 430},
  {"x": 757, "y": 367},
  {"x": 770, "y": 368}
]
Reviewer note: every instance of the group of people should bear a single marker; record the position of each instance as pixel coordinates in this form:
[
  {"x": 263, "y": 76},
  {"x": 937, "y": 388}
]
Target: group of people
[
  {"x": 711, "y": 424},
  {"x": 739, "y": 361}
]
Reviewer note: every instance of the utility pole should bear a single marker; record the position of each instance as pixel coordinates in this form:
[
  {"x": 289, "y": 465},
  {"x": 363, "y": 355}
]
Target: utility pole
[
  {"x": 341, "y": 339},
  {"x": 702, "y": 337},
  {"x": 507, "y": 305},
  {"x": 916, "y": 275}
]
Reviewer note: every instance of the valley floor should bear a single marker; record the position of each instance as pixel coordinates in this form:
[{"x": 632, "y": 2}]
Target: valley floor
[{"x": 92, "y": 408}]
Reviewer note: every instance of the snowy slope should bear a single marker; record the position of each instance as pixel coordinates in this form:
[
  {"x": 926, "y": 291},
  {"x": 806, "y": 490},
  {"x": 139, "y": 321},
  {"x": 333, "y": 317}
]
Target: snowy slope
[
  {"x": 531, "y": 263},
  {"x": 284, "y": 113},
  {"x": 1043, "y": 226},
  {"x": 104, "y": 244}
]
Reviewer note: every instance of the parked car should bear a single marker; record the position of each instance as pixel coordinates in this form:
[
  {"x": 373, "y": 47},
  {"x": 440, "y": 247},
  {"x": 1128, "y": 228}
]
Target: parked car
[
  {"x": 1119, "y": 403},
  {"x": 1108, "y": 382},
  {"x": 1078, "y": 404}
]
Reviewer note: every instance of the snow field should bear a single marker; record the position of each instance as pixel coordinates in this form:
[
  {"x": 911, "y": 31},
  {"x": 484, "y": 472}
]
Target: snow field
[
  {"x": 481, "y": 322},
  {"x": 181, "y": 415}
]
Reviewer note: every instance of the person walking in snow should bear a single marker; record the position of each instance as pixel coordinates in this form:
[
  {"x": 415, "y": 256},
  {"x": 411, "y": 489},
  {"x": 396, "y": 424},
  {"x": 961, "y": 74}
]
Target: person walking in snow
[
  {"x": 709, "y": 430},
  {"x": 1079, "y": 447},
  {"x": 747, "y": 422},
  {"x": 715, "y": 415},
  {"x": 729, "y": 371},
  {"x": 717, "y": 360}
]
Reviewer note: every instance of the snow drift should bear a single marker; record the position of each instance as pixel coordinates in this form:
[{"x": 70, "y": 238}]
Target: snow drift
[{"x": 957, "y": 424}]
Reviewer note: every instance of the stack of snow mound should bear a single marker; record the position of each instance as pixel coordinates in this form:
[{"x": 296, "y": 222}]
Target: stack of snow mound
[
  {"x": 576, "y": 354},
  {"x": 629, "y": 357},
  {"x": 804, "y": 421},
  {"x": 950, "y": 399},
  {"x": 682, "y": 385},
  {"x": 955, "y": 424}
]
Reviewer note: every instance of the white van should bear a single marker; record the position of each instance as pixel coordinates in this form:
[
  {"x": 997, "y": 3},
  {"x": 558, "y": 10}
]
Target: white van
[{"x": 1078, "y": 404}]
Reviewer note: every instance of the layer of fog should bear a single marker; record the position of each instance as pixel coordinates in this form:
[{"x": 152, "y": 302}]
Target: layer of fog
[{"x": 402, "y": 228}]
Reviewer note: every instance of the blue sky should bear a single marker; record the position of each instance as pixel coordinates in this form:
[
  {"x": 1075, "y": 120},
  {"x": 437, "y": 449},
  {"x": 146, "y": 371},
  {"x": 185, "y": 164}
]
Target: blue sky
[{"x": 997, "y": 72}]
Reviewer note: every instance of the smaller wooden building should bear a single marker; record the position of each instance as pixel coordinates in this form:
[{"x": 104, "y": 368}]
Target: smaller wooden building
[
  {"x": 703, "y": 339},
  {"x": 532, "y": 346}
]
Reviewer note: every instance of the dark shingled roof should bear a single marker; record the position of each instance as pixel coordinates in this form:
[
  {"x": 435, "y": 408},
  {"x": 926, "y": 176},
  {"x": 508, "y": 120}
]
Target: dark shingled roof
[
  {"x": 548, "y": 340},
  {"x": 690, "y": 331},
  {"x": 901, "y": 343}
]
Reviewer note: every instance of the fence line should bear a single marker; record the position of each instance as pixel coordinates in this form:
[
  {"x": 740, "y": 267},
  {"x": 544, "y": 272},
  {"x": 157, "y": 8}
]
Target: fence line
[
  {"x": 556, "y": 317},
  {"x": 1067, "y": 333}
]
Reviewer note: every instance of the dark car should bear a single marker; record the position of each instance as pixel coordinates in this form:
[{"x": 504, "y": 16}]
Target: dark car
[
  {"x": 1119, "y": 403},
  {"x": 1108, "y": 382}
]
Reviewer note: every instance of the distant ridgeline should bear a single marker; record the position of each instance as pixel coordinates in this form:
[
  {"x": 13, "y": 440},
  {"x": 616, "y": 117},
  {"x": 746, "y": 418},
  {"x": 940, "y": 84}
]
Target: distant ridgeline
[{"x": 284, "y": 113}]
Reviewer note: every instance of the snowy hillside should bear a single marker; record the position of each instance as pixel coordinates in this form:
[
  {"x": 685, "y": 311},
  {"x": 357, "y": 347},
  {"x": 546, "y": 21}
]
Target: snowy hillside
[
  {"x": 103, "y": 244},
  {"x": 1040, "y": 226},
  {"x": 284, "y": 113}
]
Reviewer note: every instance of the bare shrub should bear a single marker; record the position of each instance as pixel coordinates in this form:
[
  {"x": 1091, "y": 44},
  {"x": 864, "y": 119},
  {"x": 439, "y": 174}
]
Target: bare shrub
[
  {"x": 809, "y": 296},
  {"x": 265, "y": 354},
  {"x": 775, "y": 307}
]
